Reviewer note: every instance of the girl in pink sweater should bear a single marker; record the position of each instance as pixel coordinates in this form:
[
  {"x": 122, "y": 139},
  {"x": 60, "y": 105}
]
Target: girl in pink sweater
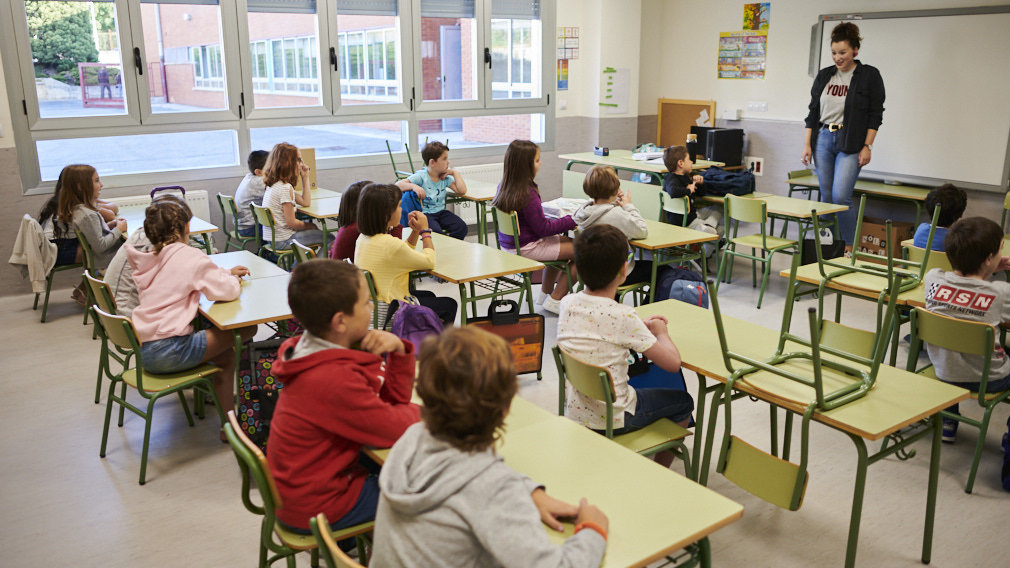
[{"x": 170, "y": 280}]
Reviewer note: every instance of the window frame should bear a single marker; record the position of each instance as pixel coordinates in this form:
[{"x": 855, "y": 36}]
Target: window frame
[{"x": 240, "y": 115}]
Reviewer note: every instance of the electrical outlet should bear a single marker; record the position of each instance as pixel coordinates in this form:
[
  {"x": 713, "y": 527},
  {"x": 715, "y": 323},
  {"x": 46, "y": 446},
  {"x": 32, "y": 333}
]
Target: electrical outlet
[
  {"x": 755, "y": 165},
  {"x": 757, "y": 106}
]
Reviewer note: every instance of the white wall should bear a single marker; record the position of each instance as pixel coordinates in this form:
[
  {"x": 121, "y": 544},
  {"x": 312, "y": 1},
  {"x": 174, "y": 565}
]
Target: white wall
[
  {"x": 680, "y": 40},
  {"x": 609, "y": 31}
]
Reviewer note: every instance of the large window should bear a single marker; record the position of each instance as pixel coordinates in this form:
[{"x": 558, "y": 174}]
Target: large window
[{"x": 145, "y": 86}]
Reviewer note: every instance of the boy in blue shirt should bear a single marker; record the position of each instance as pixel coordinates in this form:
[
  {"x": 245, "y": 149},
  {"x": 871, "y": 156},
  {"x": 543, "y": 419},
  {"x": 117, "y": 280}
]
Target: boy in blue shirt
[
  {"x": 425, "y": 191},
  {"x": 952, "y": 201}
]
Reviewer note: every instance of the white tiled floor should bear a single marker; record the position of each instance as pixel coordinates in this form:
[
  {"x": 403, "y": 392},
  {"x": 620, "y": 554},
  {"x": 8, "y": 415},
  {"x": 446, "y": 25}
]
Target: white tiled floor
[{"x": 61, "y": 503}]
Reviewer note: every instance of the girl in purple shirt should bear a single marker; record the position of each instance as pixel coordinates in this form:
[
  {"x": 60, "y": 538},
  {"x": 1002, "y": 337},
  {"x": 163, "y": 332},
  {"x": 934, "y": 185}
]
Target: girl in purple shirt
[{"x": 540, "y": 238}]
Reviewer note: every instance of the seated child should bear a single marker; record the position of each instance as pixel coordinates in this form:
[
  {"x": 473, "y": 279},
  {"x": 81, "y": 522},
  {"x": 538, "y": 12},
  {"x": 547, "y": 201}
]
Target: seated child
[
  {"x": 680, "y": 182},
  {"x": 171, "y": 279},
  {"x": 78, "y": 209},
  {"x": 344, "y": 387},
  {"x": 347, "y": 236},
  {"x": 391, "y": 259},
  {"x": 611, "y": 206},
  {"x": 973, "y": 247},
  {"x": 951, "y": 200},
  {"x": 425, "y": 191},
  {"x": 249, "y": 191},
  {"x": 119, "y": 274},
  {"x": 540, "y": 238},
  {"x": 284, "y": 167},
  {"x": 595, "y": 329},
  {"x": 447, "y": 499}
]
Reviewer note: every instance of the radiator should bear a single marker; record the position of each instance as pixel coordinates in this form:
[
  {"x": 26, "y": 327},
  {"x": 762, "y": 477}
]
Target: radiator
[
  {"x": 197, "y": 200},
  {"x": 490, "y": 173}
]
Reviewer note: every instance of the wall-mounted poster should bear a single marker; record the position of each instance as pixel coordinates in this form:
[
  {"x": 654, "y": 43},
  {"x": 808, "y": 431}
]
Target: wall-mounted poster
[
  {"x": 757, "y": 15},
  {"x": 562, "y": 74},
  {"x": 742, "y": 55}
]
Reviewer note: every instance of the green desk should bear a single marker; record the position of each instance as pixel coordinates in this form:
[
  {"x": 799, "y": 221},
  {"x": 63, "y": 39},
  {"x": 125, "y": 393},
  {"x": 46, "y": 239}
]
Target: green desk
[
  {"x": 320, "y": 193},
  {"x": 323, "y": 209},
  {"x": 789, "y": 209},
  {"x": 480, "y": 193},
  {"x": 198, "y": 228},
  {"x": 262, "y": 300},
  {"x": 621, "y": 160},
  {"x": 258, "y": 266},
  {"x": 653, "y": 510},
  {"x": 467, "y": 264},
  {"x": 666, "y": 241},
  {"x": 898, "y": 399},
  {"x": 912, "y": 195}
]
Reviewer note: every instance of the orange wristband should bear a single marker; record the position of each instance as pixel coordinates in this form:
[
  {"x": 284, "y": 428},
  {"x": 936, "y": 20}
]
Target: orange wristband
[{"x": 593, "y": 526}]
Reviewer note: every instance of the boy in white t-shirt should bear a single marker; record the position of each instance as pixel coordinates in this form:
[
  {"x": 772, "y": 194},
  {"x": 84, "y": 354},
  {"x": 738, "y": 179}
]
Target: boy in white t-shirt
[
  {"x": 249, "y": 191},
  {"x": 595, "y": 329}
]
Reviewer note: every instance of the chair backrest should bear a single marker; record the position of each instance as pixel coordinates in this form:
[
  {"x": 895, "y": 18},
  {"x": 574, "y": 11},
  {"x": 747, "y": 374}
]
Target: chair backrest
[
  {"x": 746, "y": 210},
  {"x": 87, "y": 253},
  {"x": 252, "y": 461},
  {"x": 646, "y": 197},
  {"x": 571, "y": 184},
  {"x": 506, "y": 224},
  {"x": 302, "y": 252},
  {"x": 264, "y": 218},
  {"x": 119, "y": 330},
  {"x": 590, "y": 380},
  {"x": 676, "y": 205},
  {"x": 799, "y": 173},
  {"x": 1006, "y": 209},
  {"x": 228, "y": 209},
  {"x": 937, "y": 258},
  {"x": 964, "y": 336},
  {"x": 375, "y": 298},
  {"x": 328, "y": 549},
  {"x": 845, "y": 339},
  {"x": 101, "y": 293}
]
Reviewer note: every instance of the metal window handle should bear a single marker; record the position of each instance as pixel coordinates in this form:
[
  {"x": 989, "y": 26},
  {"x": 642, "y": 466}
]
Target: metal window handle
[
  {"x": 137, "y": 61},
  {"x": 487, "y": 56},
  {"x": 333, "y": 58}
]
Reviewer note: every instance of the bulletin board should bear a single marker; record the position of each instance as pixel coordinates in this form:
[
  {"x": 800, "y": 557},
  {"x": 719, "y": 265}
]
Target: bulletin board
[{"x": 676, "y": 116}]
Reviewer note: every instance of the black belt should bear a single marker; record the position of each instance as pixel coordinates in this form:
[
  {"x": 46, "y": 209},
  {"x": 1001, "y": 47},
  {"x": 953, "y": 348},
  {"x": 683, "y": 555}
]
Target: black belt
[{"x": 831, "y": 126}]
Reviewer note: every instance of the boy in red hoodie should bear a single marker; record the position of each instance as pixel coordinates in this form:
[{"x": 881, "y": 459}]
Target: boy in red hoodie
[{"x": 345, "y": 387}]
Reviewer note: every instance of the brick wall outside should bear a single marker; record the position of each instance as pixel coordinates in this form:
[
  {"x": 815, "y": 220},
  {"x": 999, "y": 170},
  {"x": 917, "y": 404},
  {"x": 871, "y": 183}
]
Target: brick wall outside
[{"x": 497, "y": 129}]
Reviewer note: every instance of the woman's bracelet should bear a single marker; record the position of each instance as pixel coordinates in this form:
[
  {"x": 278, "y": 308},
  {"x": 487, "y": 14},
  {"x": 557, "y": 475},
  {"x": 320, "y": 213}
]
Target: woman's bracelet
[{"x": 593, "y": 526}]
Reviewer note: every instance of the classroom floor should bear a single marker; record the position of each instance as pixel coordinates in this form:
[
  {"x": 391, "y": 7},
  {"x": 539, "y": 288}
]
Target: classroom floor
[{"x": 61, "y": 502}]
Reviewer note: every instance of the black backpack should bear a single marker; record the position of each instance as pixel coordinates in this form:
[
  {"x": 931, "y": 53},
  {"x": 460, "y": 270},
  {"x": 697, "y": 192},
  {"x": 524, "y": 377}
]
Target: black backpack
[{"x": 720, "y": 182}]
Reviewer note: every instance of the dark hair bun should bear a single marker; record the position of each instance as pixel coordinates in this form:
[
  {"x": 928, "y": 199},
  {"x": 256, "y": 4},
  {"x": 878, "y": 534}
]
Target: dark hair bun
[{"x": 846, "y": 31}]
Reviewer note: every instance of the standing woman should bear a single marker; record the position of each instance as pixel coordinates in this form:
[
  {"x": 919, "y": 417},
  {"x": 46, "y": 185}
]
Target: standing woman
[{"x": 846, "y": 109}]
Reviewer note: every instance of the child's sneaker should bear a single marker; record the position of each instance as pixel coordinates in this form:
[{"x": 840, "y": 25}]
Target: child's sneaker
[{"x": 949, "y": 435}]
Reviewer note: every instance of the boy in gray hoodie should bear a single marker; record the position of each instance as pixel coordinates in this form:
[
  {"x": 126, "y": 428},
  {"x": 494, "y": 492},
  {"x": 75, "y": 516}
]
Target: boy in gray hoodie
[{"x": 447, "y": 499}]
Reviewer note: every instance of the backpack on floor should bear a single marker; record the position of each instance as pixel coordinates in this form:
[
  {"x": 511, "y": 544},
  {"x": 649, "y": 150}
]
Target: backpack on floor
[
  {"x": 258, "y": 390},
  {"x": 681, "y": 284},
  {"x": 414, "y": 322}
]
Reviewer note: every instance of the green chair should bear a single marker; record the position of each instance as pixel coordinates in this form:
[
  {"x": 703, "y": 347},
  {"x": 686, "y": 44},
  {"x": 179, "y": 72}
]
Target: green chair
[
  {"x": 767, "y": 475},
  {"x": 274, "y": 537},
  {"x": 49, "y": 285},
  {"x": 971, "y": 338},
  {"x": 676, "y": 205},
  {"x": 230, "y": 210},
  {"x": 400, "y": 174},
  {"x": 508, "y": 224},
  {"x": 89, "y": 266},
  {"x": 120, "y": 331},
  {"x": 301, "y": 252},
  {"x": 376, "y": 308},
  {"x": 328, "y": 549},
  {"x": 802, "y": 188},
  {"x": 100, "y": 291},
  {"x": 745, "y": 210},
  {"x": 935, "y": 259},
  {"x": 597, "y": 383},
  {"x": 265, "y": 218}
]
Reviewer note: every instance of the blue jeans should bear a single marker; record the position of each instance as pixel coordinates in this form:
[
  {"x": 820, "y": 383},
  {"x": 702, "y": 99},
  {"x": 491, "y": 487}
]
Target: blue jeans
[
  {"x": 654, "y": 404},
  {"x": 362, "y": 511},
  {"x": 837, "y": 173},
  {"x": 308, "y": 237}
]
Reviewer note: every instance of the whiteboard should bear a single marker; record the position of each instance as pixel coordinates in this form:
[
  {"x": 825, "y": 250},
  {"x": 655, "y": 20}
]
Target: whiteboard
[{"x": 947, "y": 110}]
